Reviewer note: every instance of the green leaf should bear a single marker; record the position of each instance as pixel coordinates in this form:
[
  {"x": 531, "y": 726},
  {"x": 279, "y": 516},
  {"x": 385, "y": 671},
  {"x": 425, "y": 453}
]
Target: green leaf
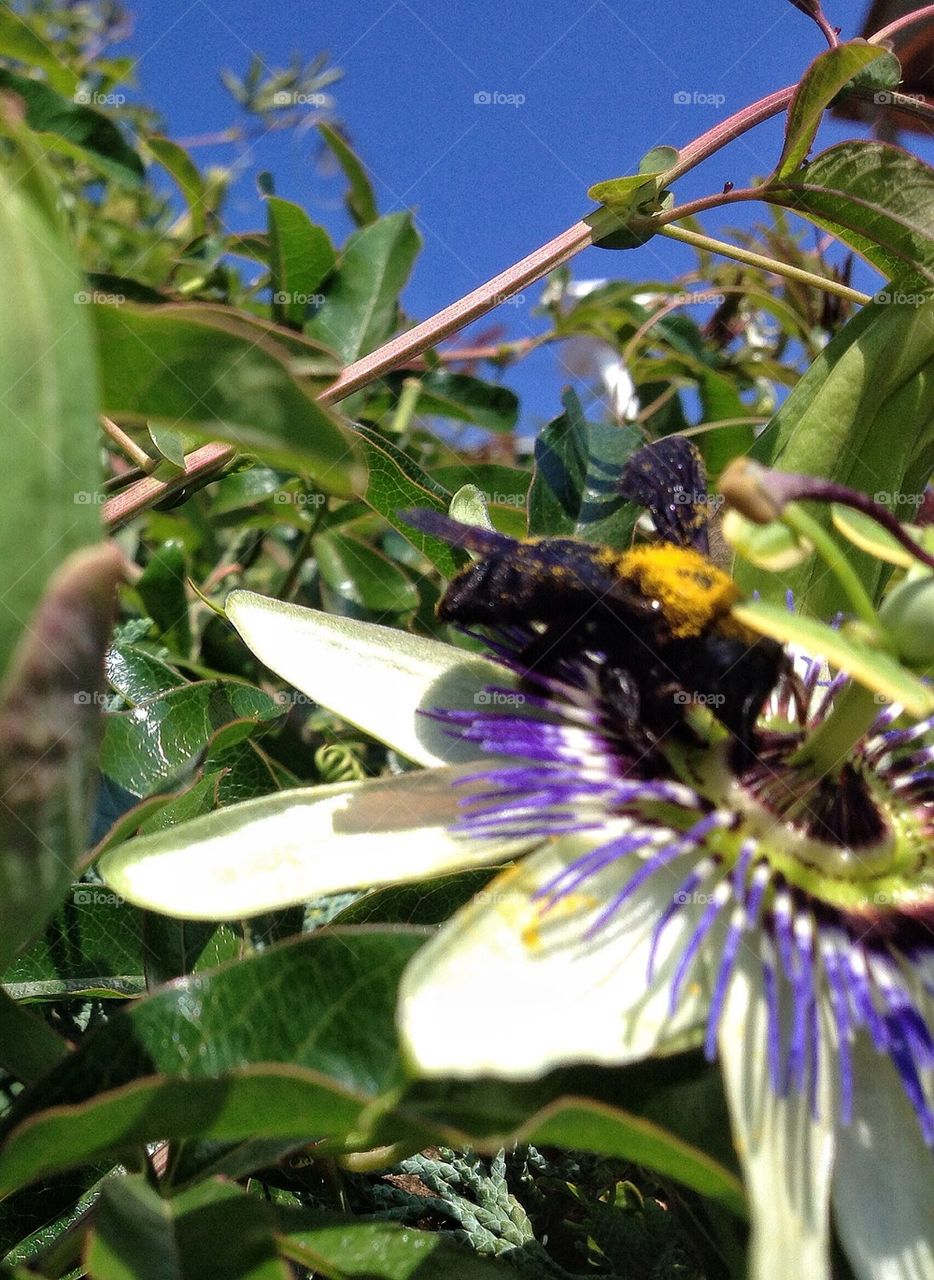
[
  {"x": 575, "y": 484},
  {"x": 560, "y": 469},
  {"x": 396, "y": 483},
  {"x": 29, "y": 1047},
  {"x": 639, "y": 193},
  {"x": 91, "y": 947},
  {"x": 162, "y": 590},
  {"x": 590, "y": 1126},
  {"x": 179, "y": 164},
  {"x": 147, "y": 747},
  {"x": 870, "y": 667},
  {"x": 821, "y": 83},
  {"x": 859, "y": 417},
  {"x": 169, "y": 444},
  {"x": 300, "y": 256},
  {"x": 86, "y": 133},
  {"x": 213, "y": 1229},
  {"x": 18, "y": 40},
  {"x": 361, "y": 300},
  {"x": 197, "y": 366},
  {"x": 360, "y": 200},
  {"x": 363, "y": 576},
  {"x": 137, "y": 674},
  {"x": 367, "y": 1250},
  {"x": 293, "y": 1042},
  {"x": 876, "y": 198},
  {"x": 51, "y": 464}
]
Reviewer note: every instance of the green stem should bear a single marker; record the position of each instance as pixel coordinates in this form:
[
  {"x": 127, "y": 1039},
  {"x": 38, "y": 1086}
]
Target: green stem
[
  {"x": 408, "y": 399},
  {"x": 302, "y": 551},
  {"x": 833, "y": 740},
  {"x": 836, "y": 561},
  {"x": 727, "y": 250}
]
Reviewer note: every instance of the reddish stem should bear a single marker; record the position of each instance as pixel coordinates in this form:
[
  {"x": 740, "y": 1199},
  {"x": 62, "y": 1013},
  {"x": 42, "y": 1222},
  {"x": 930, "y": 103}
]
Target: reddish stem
[
  {"x": 148, "y": 491},
  {"x": 907, "y": 20}
]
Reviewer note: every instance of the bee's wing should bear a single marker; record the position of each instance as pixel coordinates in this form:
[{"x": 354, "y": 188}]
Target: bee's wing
[
  {"x": 483, "y": 542},
  {"x": 669, "y": 478}
]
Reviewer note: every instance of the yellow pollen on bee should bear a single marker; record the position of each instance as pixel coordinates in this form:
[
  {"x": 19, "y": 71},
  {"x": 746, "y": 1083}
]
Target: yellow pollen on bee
[{"x": 691, "y": 591}]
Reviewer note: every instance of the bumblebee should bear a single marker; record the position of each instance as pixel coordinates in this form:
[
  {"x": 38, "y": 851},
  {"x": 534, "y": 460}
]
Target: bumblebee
[{"x": 658, "y": 615}]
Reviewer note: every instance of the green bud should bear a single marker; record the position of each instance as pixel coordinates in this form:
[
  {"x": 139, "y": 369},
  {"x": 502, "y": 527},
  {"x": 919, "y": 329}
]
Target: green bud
[{"x": 908, "y": 616}]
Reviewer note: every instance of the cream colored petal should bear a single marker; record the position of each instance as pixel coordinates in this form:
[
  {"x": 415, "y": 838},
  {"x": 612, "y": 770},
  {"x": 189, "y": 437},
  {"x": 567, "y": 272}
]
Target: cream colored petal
[
  {"x": 371, "y": 676},
  {"x": 883, "y": 1187},
  {"x": 510, "y": 989},
  {"x": 786, "y": 1154},
  {"x": 297, "y": 845}
]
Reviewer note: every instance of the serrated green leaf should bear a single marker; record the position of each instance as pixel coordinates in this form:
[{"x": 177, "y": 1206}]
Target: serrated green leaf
[
  {"x": 395, "y": 483},
  {"x": 876, "y": 198}
]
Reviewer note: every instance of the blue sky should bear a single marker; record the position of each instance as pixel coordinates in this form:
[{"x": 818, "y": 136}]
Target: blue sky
[{"x": 593, "y": 87}]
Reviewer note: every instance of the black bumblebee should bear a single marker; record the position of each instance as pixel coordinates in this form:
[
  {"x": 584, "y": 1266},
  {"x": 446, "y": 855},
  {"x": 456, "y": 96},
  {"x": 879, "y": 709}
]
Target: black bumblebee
[{"x": 658, "y": 614}]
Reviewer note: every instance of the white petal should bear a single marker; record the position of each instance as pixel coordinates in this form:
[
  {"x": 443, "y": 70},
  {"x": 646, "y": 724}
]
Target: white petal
[
  {"x": 510, "y": 989},
  {"x": 786, "y": 1154},
  {"x": 373, "y": 677},
  {"x": 296, "y": 845},
  {"x": 883, "y": 1190}
]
